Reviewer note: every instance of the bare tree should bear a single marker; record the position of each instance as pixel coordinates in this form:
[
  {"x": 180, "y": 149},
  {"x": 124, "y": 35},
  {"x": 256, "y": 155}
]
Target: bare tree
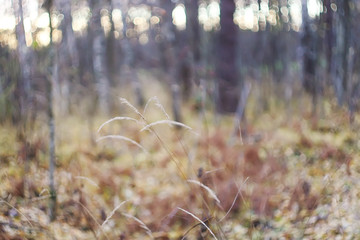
[
  {"x": 194, "y": 40},
  {"x": 346, "y": 22},
  {"x": 50, "y": 112},
  {"x": 168, "y": 48},
  {"x": 226, "y": 71},
  {"x": 67, "y": 57},
  {"x": 111, "y": 46},
  {"x": 129, "y": 61},
  {"x": 98, "y": 48},
  {"x": 25, "y": 89},
  {"x": 341, "y": 55},
  {"x": 310, "y": 53},
  {"x": 24, "y": 54},
  {"x": 329, "y": 35}
]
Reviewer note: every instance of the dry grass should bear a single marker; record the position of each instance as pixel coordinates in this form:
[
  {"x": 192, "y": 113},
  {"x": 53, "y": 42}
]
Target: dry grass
[{"x": 294, "y": 182}]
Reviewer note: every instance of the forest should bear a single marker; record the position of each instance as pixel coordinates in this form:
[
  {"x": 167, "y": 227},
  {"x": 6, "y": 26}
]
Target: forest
[{"x": 179, "y": 119}]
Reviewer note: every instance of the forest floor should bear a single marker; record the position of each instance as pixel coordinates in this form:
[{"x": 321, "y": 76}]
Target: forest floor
[{"x": 287, "y": 178}]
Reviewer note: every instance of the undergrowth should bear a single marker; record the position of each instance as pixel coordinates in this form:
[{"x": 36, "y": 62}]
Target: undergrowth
[{"x": 143, "y": 176}]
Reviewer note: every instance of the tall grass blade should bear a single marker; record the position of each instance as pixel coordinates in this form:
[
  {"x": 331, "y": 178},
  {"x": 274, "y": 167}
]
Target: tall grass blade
[
  {"x": 198, "y": 219},
  {"x": 158, "y": 104},
  {"x": 112, "y": 213},
  {"x": 233, "y": 203},
  {"x": 126, "y": 102},
  {"x": 89, "y": 180},
  {"x": 211, "y": 192},
  {"x": 117, "y": 118},
  {"x": 170, "y": 122},
  {"x": 119, "y": 137},
  {"x": 142, "y": 225}
]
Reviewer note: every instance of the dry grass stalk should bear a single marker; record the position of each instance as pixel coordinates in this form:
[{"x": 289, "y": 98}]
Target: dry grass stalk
[
  {"x": 126, "y": 102},
  {"x": 89, "y": 180},
  {"x": 158, "y": 104},
  {"x": 112, "y": 213},
  {"x": 119, "y": 137},
  {"x": 198, "y": 219},
  {"x": 141, "y": 223},
  {"x": 170, "y": 122},
  {"x": 93, "y": 218},
  {"x": 117, "y": 118},
  {"x": 211, "y": 192},
  {"x": 233, "y": 203}
]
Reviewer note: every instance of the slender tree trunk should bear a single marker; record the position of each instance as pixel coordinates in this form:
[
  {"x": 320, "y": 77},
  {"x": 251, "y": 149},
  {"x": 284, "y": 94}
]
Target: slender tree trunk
[
  {"x": 25, "y": 89},
  {"x": 336, "y": 62},
  {"x": 309, "y": 45},
  {"x": 341, "y": 63},
  {"x": 1, "y": 85},
  {"x": 67, "y": 58},
  {"x": 112, "y": 47},
  {"x": 129, "y": 60},
  {"x": 329, "y": 38},
  {"x": 50, "y": 112},
  {"x": 98, "y": 48},
  {"x": 226, "y": 59},
  {"x": 346, "y": 18},
  {"x": 354, "y": 100},
  {"x": 194, "y": 39},
  {"x": 24, "y": 60},
  {"x": 193, "y": 26},
  {"x": 168, "y": 31},
  {"x": 70, "y": 40}
]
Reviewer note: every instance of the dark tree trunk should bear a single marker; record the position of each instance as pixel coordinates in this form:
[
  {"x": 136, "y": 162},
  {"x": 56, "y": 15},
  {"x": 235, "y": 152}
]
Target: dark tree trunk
[
  {"x": 341, "y": 61},
  {"x": 346, "y": 19},
  {"x": 309, "y": 45},
  {"x": 193, "y": 27},
  {"x": 226, "y": 71},
  {"x": 168, "y": 45},
  {"x": 329, "y": 38},
  {"x": 193, "y": 40}
]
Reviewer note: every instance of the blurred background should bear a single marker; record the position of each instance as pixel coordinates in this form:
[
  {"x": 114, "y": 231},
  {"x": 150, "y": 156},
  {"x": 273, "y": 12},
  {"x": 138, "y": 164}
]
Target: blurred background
[
  {"x": 88, "y": 51},
  {"x": 269, "y": 88}
]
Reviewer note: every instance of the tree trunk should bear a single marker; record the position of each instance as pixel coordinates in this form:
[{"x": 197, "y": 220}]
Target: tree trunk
[
  {"x": 25, "y": 89},
  {"x": 129, "y": 62},
  {"x": 193, "y": 39},
  {"x": 112, "y": 47},
  {"x": 341, "y": 64},
  {"x": 98, "y": 47},
  {"x": 51, "y": 121},
  {"x": 24, "y": 60},
  {"x": 328, "y": 21},
  {"x": 68, "y": 59},
  {"x": 168, "y": 32},
  {"x": 68, "y": 34},
  {"x": 309, "y": 46},
  {"x": 226, "y": 59},
  {"x": 346, "y": 19}
]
